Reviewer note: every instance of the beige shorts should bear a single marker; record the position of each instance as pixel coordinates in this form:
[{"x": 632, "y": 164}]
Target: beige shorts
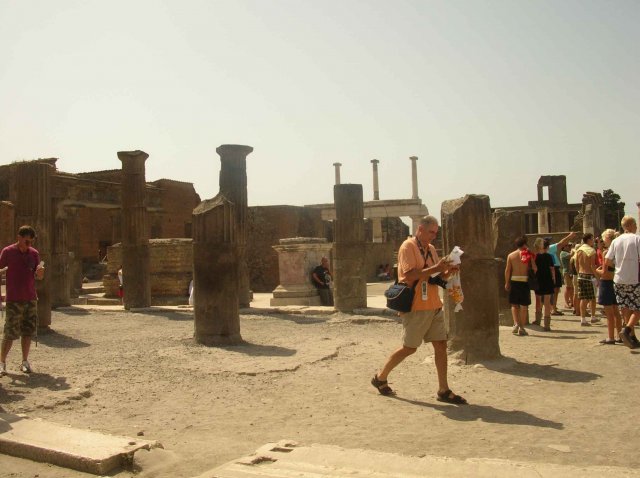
[{"x": 423, "y": 326}]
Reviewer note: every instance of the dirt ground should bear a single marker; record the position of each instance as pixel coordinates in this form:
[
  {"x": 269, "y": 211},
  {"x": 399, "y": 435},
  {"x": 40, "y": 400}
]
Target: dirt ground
[{"x": 557, "y": 397}]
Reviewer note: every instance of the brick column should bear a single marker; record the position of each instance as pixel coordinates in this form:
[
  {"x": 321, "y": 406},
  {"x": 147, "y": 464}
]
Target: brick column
[
  {"x": 32, "y": 199},
  {"x": 473, "y": 331},
  {"x": 60, "y": 272},
  {"x": 350, "y": 284},
  {"x": 135, "y": 234},
  {"x": 215, "y": 273},
  {"x": 233, "y": 186}
]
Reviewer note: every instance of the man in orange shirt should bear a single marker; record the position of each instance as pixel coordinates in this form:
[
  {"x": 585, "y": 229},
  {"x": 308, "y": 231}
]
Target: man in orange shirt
[{"x": 417, "y": 262}]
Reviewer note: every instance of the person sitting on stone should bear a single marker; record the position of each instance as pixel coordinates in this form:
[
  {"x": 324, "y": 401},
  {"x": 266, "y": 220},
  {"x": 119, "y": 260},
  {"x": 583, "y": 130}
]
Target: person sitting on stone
[{"x": 321, "y": 278}]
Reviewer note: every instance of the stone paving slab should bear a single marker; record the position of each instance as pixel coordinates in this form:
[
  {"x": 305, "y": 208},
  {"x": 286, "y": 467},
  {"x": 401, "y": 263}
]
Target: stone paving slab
[
  {"x": 285, "y": 460},
  {"x": 81, "y": 450}
]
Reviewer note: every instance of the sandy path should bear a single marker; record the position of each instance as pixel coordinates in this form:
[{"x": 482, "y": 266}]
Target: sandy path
[{"x": 558, "y": 397}]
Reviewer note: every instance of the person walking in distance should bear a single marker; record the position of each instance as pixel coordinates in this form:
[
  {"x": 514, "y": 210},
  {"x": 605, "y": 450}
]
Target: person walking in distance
[
  {"x": 417, "y": 261},
  {"x": 586, "y": 265},
  {"x": 23, "y": 268}
]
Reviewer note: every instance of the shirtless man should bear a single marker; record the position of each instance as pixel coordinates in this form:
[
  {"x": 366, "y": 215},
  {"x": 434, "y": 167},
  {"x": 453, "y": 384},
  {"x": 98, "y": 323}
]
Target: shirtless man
[
  {"x": 586, "y": 266},
  {"x": 516, "y": 284}
]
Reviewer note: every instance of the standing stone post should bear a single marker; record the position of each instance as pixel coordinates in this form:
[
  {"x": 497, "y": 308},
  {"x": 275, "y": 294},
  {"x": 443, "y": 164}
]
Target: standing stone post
[
  {"x": 32, "y": 199},
  {"x": 414, "y": 177},
  {"x": 75, "y": 253},
  {"x": 215, "y": 273},
  {"x": 233, "y": 186},
  {"x": 135, "y": 234},
  {"x": 588, "y": 221},
  {"x": 350, "y": 283},
  {"x": 543, "y": 220},
  {"x": 9, "y": 231},
  {"x": 473, "y": 331},
  {"x": 376, "y": 190},
  {"x": 507, "y": 226},
  {"x": 60, "y": 273},
  {"x": 337, "y": 171},
  {"x": 297, "y": 257}
]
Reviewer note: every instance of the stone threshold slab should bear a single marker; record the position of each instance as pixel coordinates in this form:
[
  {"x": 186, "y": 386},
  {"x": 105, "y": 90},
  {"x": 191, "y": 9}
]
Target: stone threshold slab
[
  {"x": 82, "y": 450},
  {"x": 286, "y": 459}
]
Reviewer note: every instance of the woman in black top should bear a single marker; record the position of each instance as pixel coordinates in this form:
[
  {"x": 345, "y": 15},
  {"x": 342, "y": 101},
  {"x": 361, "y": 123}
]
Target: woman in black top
[{"x": 546, "y": 283}]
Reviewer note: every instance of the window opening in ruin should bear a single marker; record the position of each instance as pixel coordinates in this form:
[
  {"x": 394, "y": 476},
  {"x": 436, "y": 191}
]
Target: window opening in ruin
[{"x": 545, "y": 193}]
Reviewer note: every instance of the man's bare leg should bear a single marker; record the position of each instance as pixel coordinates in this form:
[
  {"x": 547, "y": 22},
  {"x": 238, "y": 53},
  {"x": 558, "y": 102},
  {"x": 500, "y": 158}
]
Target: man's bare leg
[
  {"x": 440, "y": 358},
  {"x": 25, "y": 342},
  {"x": 4, "y": 349},
  {"x": 394, "y": 360}
]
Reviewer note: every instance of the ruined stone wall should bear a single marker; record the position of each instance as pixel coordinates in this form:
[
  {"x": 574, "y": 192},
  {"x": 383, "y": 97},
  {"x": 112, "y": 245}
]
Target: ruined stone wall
[
  {"x": 266, "y": 226},
  {"x": 178, "y": 199},
  {"x": 8, "y": 229},
  {"x": 376, "y": 253},
  {"x": 171, "y": 268}
]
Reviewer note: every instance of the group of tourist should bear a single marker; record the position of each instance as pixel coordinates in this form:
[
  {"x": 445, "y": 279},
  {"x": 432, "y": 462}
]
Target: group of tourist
[{"x": 598, "y": 269}]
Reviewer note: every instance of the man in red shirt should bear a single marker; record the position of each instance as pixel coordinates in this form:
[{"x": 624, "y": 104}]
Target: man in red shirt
[
  {"x": 417, "y": 262},
  {"x": 23, "y": 268}
]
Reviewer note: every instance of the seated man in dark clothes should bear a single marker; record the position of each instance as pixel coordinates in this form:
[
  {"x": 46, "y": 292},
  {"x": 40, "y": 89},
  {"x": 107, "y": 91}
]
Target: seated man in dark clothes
[{"x": 321, "y": 278}]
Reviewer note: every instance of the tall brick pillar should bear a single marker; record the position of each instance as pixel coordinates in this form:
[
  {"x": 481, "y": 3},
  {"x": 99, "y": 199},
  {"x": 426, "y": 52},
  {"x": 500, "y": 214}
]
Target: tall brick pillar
[
  {"x": 215, "y": 273},
  {"x": 75, "y": 255},
  {"x": 8, "y": 229},
  {"x": 135, "y": 235},
  {"x": 473, "y": 331},
  {"x": 61, "y": 271},
  {"x": 31, "y": 195},
  {"x": 233, "y": 186},
  {"x": 350, "y": 283}
]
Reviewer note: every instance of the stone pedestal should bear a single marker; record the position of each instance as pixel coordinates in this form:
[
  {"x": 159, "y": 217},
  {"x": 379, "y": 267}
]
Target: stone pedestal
[
  {"x": 32, "y": 200},
  {"x": 473, "y": 331},
  {"x": 233, "y": 186},
  {"x": 297, "y": 257},
  {"x": 215, "y": 273},
  {"x": 350, "y": 285},
  {"x": 135, "y": 235}
]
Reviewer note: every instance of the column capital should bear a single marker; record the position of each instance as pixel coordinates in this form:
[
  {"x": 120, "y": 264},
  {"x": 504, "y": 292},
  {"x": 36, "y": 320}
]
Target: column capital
[
  {"x": 375, "y": 161},
  {"x": 234, "y": 148},
  {"x": 413, "y": 158},
  {"x": 337, "y": 164},
  {"x": 122, "y": 155}
]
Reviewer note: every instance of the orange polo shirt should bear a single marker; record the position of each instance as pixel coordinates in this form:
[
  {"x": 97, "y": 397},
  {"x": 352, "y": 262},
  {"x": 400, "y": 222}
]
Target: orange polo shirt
[{"x": 409, "y": 257}]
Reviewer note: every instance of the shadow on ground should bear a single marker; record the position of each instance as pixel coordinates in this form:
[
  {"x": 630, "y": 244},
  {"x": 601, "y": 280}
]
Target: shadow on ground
[
  {"x": 488, "y": 414},
  {"x": 550, "y": 372}
]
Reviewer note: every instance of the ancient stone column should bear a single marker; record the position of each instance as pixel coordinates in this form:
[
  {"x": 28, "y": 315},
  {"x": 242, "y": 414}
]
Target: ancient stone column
[
  {"x": 337, "y": 171},
  {"x": 215, "y": 273},
  {"x": 8, "y": 231},
  {"x": 60, "y": 272},
  {"x": 31, "y": 195},
  {"x": 233, "y": 186},
  {"x": 75, "y": 253},
  {"x": 116, "y": 225},
  {"x": 414, "y": 177},
  {"x": 135, "y": 234},
  {"x": 473, "y": 331},
  {"x": 507, "y": 226},
  {"x": 588, "y": 219},
  {"x": 297, "y": 257},
  {"x": 543, "y": 220},
  {"x": 350, "y": 284},
  {"x": 376, "y": 225},
  {"x": 376, "y": 191},
  {"x": 415, "y": 222}
]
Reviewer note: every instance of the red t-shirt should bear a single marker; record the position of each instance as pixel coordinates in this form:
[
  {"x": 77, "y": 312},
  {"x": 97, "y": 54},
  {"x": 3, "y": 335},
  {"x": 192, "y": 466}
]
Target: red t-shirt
[{"x": 21, "y": 269}]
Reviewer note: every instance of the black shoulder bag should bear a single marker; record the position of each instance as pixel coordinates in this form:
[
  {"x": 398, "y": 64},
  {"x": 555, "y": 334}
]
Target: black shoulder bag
[{"x": 400, "y": 295}]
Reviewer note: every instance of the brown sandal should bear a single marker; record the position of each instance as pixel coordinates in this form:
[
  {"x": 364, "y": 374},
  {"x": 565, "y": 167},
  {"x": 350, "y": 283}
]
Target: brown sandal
[{"x": 382, "y": 386}]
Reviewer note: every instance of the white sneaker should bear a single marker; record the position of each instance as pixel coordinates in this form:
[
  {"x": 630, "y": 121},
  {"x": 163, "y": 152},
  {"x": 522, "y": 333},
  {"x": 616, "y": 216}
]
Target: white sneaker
[
  {"x": 3, "y": 369},
  {"x": 25, "y": 367}
]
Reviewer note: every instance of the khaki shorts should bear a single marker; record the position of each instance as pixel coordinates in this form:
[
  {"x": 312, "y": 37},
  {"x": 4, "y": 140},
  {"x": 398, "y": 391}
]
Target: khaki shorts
[
  {"x": 423, "y": 326},
  {"x": 568, "y": 279},
  {"x": 21, "y": 319}
]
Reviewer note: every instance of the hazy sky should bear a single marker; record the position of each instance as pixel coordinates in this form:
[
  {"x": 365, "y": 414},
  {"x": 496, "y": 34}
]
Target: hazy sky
[{"x": 490, "y": 95}]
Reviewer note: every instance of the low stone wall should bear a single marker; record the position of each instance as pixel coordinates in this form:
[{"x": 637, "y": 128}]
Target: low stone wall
[{"x": 171, "y": 268}]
